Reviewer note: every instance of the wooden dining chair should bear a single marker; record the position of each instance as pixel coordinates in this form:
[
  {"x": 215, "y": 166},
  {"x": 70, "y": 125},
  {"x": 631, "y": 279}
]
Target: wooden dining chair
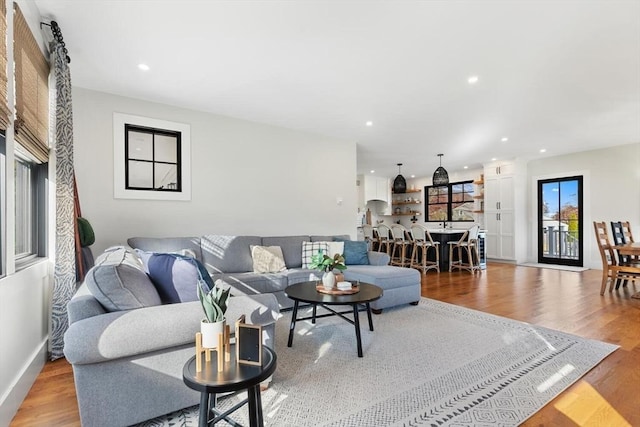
[
  {"x": 422, "y": 244},
  {"x": 611, "y": 268},
  {"x": 628, "y": 237},
  {"x": 468, "y": 244}
]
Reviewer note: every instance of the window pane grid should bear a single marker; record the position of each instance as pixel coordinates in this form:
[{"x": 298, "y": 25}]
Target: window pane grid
[{"x": 453, "y": 202}]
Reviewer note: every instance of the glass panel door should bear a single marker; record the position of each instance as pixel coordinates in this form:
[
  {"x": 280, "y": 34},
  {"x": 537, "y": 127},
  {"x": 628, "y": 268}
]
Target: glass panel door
[{"x": 560, "y": 224}]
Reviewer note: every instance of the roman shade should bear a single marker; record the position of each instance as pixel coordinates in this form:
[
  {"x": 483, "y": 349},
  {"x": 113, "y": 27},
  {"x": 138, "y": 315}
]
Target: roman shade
[
  {"x": 32, "y": 90},
  {"x": 5, "y": 113}
]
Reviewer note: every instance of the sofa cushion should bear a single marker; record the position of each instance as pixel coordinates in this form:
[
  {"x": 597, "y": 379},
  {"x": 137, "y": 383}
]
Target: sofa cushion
[
  {"x": 309, "y": 249},
  {"x": 168, "y": 245},
  {"x": 291, "y": 248},
  {"x": 118, "y": 281},
  {"x": 267, "y": 259},
  {"x": 228, "y": 254},
  {"x": 297, "y": 275},
  {"x": 175, "y": 276},
  {"x": 252, "y": 283},
  {"x": 339, "y": 237},
  {"x": 356, "y": 252},
  {"x": 385, "y": 276}
]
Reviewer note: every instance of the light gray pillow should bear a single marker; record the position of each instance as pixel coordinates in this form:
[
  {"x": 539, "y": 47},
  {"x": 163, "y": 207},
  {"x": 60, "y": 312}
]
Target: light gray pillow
[{"x": 118, "y": 281}]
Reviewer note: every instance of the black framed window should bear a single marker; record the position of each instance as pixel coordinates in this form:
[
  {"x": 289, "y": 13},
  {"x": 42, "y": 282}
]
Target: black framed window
[
  {"x": 152, "y": 159},
  {"x": 452, "y": 202}
]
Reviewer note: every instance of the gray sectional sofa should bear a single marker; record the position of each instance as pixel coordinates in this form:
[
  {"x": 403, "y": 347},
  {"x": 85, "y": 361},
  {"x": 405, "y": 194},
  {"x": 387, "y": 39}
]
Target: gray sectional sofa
[
  {"x": 127, "y": 349},
  {"x": 229, "y": 258}
]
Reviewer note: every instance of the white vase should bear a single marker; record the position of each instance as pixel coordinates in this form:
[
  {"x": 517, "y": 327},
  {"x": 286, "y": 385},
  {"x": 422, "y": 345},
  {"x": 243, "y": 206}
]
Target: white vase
[
  {"x": 210, "y": 333},
  {"x": 329, "y": 280}
]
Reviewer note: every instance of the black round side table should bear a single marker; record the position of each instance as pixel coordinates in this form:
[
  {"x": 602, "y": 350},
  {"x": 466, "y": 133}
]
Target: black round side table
[{"x": 234, "y": 377}]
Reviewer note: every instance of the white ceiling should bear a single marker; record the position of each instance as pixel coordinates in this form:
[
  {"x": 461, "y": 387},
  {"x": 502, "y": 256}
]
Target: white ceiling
[{"x": 560, "y": 75}]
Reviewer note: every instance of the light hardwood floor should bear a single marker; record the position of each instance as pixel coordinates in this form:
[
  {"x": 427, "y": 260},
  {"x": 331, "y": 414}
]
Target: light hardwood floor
[{"x": 609, "y": 395}]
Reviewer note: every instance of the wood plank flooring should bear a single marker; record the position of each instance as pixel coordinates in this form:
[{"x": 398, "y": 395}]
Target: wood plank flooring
[{"x": 609, "y": 395}]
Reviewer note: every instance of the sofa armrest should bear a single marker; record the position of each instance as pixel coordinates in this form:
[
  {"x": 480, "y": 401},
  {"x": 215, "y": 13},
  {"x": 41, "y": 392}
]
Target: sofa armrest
[
  {"x": 378, "y": 258},
  {"x": 128, "y": 333}
]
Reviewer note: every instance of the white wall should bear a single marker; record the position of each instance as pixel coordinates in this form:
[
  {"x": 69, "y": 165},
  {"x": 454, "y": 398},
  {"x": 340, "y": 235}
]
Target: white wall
[
  {"x": 247, "y": 178},
  {"x": 611, "y": 191}
]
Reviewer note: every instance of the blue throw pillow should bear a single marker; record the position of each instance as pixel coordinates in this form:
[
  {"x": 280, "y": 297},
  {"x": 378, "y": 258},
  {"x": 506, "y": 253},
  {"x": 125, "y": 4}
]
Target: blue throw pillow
[
  {"x": 175, "y": 277},
  {"x": 355, "y": 252}
]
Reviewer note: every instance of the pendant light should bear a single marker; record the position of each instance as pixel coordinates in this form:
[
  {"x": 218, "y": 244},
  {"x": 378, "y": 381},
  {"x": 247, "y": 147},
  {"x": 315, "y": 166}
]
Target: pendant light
[
  {"x": 440, "y": 176},
  {"x": 399, "y": 184}
]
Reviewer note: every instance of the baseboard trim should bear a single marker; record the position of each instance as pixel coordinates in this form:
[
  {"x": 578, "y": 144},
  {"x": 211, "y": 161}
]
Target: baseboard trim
[{"x": 11, "y": 402}]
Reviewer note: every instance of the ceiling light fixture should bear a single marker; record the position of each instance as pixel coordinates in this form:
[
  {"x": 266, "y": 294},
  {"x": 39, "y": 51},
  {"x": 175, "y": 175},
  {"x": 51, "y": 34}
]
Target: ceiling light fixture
[
  {"x": 543, "y": 150},
  {"x": 504, "y": 139},
  {"x": 399, "y": 184},
  {"x": 440, "y": 176},
  {"x": 465, "y": 167},
  {"x": 143, "y": 67},
  {"x": 372, "y": 171},
  {"x": 369, "y": 123},
  {"x": 472, "y": 80}
]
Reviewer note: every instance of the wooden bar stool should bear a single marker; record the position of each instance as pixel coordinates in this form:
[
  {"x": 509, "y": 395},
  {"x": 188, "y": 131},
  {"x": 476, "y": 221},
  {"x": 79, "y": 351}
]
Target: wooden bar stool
[
  {"x": 384, "y": 239},
  {"x": 468, "y": 244},
  {"x": 422, "y": 244},
  {"x": 401, "y": 246}
]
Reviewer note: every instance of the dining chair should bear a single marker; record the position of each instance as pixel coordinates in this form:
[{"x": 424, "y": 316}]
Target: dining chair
[
  {"x": 401, "y": 246},
  {"x": 467, "y": 245},
  {"x": 618, "y": 239},
  {"x": 628, "y": 237},
  {"x": 422, "y": 244},
  {"x": 369, "y": 236},
  {"x": 611, "y": 268},
  {"x": 384, "y": 239}
]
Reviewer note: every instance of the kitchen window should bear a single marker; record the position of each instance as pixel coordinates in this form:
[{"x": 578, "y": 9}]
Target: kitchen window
[{"x": 452, "y": 202}]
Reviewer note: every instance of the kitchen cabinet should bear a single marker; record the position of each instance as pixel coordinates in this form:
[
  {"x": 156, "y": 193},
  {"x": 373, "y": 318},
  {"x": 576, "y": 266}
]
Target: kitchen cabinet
[
  {"x": 500, "y": 210},
  {"x": 377, "y": 188}
]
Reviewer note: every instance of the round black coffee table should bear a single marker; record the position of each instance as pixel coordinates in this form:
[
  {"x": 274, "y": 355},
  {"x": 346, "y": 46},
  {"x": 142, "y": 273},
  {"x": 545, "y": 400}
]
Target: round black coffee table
[
  {"x": 234, "y": 377},
  {"x": 306, "y": 292}
]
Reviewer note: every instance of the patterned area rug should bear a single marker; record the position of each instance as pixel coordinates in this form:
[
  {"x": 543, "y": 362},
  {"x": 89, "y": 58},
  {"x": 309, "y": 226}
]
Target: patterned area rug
[{"x": 434, "y": 364}]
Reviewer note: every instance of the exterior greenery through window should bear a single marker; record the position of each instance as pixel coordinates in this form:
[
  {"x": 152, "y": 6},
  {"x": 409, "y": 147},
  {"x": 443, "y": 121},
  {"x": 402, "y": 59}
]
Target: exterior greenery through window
[
  {"x": 452, "y": 202},
  {"x": 152, "y": 159}
]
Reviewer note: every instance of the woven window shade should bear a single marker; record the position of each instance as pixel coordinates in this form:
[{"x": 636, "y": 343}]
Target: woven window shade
[
  {"x": 5, "y": 114},
  {"x": 32, "y": 90}
]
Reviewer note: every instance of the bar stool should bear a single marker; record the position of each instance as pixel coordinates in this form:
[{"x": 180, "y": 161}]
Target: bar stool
[
  {"x": 468, "y": 243},
  {"x": 370, "y": 237},
  {"x": 423, "y": 242},
  {"x": 401, "y": 246},
  {"x": 384, "y": 239}
]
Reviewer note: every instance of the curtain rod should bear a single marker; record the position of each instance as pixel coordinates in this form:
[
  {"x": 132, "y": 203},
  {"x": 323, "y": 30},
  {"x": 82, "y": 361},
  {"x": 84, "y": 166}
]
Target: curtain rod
[{"x": 57, "y": 35}]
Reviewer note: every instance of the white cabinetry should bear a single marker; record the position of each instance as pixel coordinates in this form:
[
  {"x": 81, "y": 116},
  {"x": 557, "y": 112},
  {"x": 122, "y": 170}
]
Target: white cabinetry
[
  {"x": 377, "y": 190},
  {"x": 501, "y": 208}
]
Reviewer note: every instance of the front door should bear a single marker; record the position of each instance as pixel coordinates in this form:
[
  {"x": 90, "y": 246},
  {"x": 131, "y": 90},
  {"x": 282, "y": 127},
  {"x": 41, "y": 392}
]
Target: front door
[{"x": 560, "y": 221}]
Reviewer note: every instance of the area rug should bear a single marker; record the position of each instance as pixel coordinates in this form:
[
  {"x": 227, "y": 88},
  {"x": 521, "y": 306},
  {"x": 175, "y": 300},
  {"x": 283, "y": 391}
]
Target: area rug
[
  {"x": 555, "y": 267},
  {"x": 434, "y": 364}
]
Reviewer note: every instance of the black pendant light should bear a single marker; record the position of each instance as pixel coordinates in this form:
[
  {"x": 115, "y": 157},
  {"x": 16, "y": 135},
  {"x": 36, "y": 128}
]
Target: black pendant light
[
  {"x": 399, "y": 184},
  {"x": 440, "y": 176}
]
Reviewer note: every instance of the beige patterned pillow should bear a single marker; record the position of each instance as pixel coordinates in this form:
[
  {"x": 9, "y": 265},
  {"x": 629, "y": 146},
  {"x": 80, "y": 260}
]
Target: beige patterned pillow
[{"x": 267, "y": 259}]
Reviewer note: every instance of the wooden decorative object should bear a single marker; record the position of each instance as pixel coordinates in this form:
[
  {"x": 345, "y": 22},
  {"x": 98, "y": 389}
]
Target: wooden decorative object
[
  {"x": 227, "y": 343},
  {"x": 220, "y": 351},
  {"x": 249, "y": 344},
  {"x": 354, "y": 290},
  {"x": 199, "y": 350}
]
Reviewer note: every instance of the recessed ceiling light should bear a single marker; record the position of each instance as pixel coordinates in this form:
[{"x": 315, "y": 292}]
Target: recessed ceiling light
[
  {"x": 543, "y": 150},
  {"x": 413, "y": 176},
  {"x": 372, "y": 171},
  {"x": 143, "y": 67},
  {"x": 369, "y": 123},
  {"x": 493, "y": 159},
  {"x": 473, "y": 80},
  {"x": 465, "y": 167},
  {"x": 504, "y": 139}
]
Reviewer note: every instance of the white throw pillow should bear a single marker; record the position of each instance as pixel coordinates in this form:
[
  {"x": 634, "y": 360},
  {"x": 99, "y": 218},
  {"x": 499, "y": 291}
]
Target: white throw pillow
[
  {"x": 335, "y": 248},
  {"x": 267, "y": 259},
  {"x": 310, "y": 249}
]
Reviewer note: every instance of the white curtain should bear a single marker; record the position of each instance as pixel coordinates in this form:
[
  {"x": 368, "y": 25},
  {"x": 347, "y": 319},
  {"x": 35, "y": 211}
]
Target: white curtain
[{"x": 65, "y": 261}]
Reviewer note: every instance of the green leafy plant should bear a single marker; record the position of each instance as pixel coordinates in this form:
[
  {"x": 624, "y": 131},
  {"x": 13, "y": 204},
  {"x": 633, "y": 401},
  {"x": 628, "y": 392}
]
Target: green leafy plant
[
  {"x": 214, "y": 301},
  {"x": 323, "y": 262}
]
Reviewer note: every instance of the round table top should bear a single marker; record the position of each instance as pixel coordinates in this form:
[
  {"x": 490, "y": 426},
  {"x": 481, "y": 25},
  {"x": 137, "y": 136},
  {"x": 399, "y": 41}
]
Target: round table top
[
  {"x": 235, "y": 376},
  {"x": 306, "y": 292}
]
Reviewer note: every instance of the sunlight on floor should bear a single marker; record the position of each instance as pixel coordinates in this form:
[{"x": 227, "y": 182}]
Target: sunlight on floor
[
  {"x": 584, "y": 406},
  {"x": 549, "y": 382}
]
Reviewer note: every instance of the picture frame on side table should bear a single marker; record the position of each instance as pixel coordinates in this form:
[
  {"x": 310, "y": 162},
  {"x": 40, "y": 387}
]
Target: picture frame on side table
[{"x": 249, "y": 344}]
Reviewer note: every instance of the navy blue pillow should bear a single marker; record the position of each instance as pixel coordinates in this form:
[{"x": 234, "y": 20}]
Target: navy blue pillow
[
  {"x": 355, "y": 252},
  {"x": 175, "y": 277}
]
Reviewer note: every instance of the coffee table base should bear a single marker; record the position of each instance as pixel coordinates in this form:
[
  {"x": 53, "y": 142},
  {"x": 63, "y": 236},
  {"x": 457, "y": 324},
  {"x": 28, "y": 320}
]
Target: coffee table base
[
  {"x": 314, "y": 316},
  {"x": 209, "y": 415}
]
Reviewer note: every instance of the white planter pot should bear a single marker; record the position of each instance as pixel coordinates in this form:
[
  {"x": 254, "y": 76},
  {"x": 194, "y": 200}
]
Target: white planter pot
[
  {"x": 329, "y": 280},
  {"x": 210, "y": 333}
]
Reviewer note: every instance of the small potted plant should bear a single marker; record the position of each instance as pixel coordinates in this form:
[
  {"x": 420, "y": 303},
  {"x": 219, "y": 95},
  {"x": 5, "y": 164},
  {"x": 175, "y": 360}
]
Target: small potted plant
[
  {"x": 214, "y": 305},
  {"x": 327, "y": 264}
]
